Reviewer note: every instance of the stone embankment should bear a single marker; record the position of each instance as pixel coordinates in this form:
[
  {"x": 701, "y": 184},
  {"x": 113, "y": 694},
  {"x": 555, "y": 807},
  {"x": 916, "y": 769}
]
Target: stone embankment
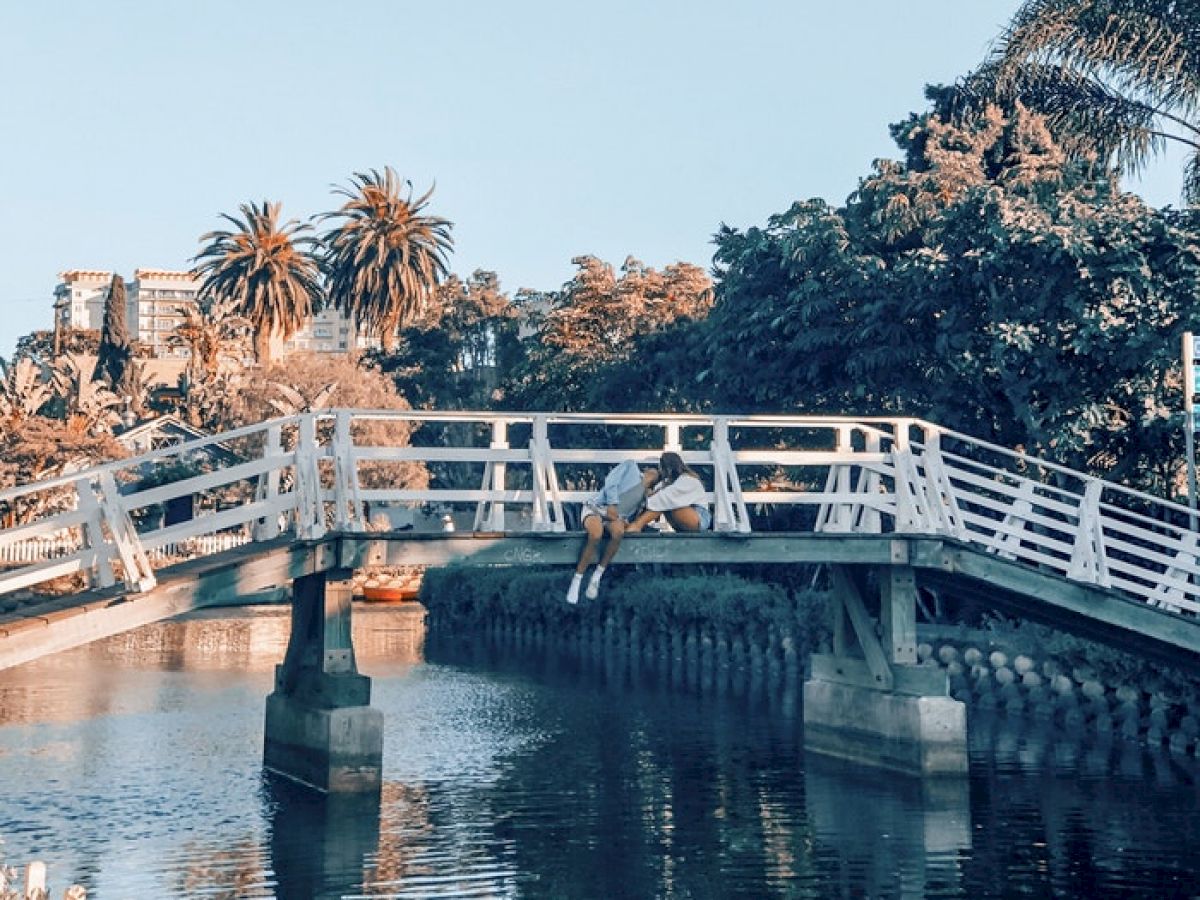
[
  {"x": 772, "y": 652},
  {"x": 720, "y": 623},
  {"x": 1074, "y": 697}
]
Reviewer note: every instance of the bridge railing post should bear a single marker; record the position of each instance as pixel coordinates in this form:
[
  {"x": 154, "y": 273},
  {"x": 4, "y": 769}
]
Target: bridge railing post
[
  {"x": 1011, "y": 531},
  {"x": 489, "y": 514},
  {"x": 99, "y": 568},
  {"x": 838, "y": 515},
  {"x": 1088, "y": 560},
  {"x": 139, "y": 576},
  {"x": 267, "y": 528},
  {"x": 547, "y": 513},
  {"x": 310, "y": 508},
  {"x": 730, "y": 505},
  {"x": 939, "y": 491},
  {"x": 913, "y": 512},
  {"x": 671, "y": 441},
  {"x": 868, "y": 518},
  {"x": 347, "y": 495}
]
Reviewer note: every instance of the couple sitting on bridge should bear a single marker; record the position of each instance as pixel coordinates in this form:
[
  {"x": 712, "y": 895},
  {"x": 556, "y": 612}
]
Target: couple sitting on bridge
[{"x": 629, "y": 501}]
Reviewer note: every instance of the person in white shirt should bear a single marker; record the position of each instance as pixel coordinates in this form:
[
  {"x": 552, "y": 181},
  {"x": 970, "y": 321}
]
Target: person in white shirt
[
  {"x": 679, "y": 495},
  {"x": 618, "y": 502}
]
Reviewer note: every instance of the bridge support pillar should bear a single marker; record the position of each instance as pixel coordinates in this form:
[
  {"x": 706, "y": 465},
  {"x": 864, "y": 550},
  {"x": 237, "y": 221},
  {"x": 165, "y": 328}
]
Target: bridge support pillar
[
  {"x": 320, "y": 729},
  {"x": 868, "y": 701}
]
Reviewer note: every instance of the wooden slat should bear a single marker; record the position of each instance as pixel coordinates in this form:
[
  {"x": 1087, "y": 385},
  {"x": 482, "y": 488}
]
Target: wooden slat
[
  {"x": 60, "y": 522},
  {"x": 207, "y": 481}
]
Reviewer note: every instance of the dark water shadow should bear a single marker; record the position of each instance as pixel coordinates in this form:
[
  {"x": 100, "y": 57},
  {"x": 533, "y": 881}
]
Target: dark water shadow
[
  {"x": 891, "y": 835},
  {"x": 321, "y": 846}
]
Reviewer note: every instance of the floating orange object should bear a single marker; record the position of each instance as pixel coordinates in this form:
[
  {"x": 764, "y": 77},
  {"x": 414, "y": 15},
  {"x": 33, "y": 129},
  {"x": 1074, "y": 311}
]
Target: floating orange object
[{"x": 391, "y": 592}]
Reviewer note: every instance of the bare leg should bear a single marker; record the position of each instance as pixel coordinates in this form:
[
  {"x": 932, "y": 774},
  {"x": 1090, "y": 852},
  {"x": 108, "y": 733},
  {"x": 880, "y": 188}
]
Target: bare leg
[
  {"x": 644, "y": 518},
  {"x": 685, "y": 519},
  {"x": 616, "y": 531},
  {"x": 594, "y": 526}
]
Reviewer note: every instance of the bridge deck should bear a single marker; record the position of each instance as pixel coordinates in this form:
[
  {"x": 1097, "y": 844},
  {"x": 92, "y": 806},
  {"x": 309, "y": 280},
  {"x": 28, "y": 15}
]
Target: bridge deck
[{"x": 30, "y": 632}]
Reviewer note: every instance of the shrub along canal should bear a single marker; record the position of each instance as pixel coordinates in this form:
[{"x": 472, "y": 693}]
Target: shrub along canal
[{"x": 544, "y": 752}]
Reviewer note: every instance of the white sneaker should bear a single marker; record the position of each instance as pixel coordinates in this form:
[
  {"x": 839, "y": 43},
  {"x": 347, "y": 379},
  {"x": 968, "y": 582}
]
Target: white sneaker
[
  {"x": 593, "y": 589},
  {"x": 573, "y": 593}
]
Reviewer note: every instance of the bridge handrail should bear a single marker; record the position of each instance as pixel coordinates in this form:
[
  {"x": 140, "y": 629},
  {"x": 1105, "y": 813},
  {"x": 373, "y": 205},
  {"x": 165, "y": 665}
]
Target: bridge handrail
[
  {"x": 886, "y": 473},
  {"x": 1049, "y": 466}
]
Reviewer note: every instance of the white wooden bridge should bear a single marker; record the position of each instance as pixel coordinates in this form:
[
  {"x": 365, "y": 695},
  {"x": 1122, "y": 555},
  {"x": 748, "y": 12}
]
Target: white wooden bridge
[{"x": 963, "y": 515}]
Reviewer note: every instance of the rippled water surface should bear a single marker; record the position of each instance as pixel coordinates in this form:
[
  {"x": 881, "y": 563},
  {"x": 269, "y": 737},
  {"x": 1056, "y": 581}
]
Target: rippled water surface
[{"x": 133, "y": 766}]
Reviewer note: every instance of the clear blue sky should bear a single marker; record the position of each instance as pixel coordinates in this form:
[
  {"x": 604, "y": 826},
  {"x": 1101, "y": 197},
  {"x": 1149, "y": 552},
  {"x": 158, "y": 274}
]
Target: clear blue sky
[{"x": 552, "y": 129}]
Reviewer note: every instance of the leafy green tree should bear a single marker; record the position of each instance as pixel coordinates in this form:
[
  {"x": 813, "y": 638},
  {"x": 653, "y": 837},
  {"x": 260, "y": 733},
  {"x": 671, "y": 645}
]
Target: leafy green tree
[
  {"x": 42, "y": 344},
  {"x": 262, "y": 270},
  {"x": 988, "y": 283},
  {"x": 308, "y": 382},
  {"x": 385, "y": 256},
  {"x": 457, "y": 354},
  {"x": 24, "y": 389},
  {"x": 42, "y": 449},
  {"x": 114, "y": 357},
  {"x": 1118, "y": 80},
  {"x": 85, "y": 404},
  {"x": 580, "y": 335},
  {"x": 214, "y": 339}
]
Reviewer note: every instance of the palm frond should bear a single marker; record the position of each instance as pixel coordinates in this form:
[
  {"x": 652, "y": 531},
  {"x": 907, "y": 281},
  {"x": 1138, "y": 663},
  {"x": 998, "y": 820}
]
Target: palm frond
[
  {"x": 263, "y": 270},
  {"x": 385, "y": 256}
]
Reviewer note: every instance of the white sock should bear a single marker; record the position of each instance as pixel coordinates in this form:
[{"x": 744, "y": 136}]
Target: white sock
[{"x": 573, "y": 590}]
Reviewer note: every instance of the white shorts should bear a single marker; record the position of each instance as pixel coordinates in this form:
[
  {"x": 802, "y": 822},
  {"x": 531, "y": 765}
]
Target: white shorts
[{"x": 591, "y": 509}]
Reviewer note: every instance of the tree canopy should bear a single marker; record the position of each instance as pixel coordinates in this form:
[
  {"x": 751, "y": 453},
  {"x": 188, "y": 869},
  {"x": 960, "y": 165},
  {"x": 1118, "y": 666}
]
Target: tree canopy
[
  {"x": 113, "y": 361},
  {"x": 455, "y": 355},
  {"x": 1117, "y": 80},
  {"x": 988, "y": 283},
  {"x": 588, "y": 334}
]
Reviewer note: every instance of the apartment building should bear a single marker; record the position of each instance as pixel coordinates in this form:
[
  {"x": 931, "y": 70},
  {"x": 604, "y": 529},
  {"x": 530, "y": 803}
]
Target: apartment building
[
  {"x": 161, "y": 298},
  {"x": 327, "y": 332},
  {"x": 79, "y": 299},
  {"x": 157, "y": 303}
]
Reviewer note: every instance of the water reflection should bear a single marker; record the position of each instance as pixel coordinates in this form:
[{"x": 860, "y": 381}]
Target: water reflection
[
  {"x": 320, "y": 846},
  {"x": 527, "y": 769},
  {"x": 216, "y": 648},
  {"x": 889, "y": 835},
  {"x": 636, "y": 794}
]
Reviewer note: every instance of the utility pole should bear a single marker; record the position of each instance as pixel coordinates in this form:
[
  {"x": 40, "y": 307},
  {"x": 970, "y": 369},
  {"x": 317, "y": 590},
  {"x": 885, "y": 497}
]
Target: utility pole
[{"x": 1189, "y": 409}]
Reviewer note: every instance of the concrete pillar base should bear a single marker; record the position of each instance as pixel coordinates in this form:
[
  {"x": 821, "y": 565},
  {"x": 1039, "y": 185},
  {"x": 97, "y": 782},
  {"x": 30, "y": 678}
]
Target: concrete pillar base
[
  {"x": 333, "y": 750},
  {"x": 917, "y": 735}
]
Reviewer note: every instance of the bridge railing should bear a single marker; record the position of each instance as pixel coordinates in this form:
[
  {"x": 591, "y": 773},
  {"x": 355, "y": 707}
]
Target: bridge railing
[
  {"x": 302, "y": 476},
  {"x": 1060, "y": 520}
]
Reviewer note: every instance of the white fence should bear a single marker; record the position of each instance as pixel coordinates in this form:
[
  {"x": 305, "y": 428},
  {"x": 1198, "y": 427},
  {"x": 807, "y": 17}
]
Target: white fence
[
  {"x": 40, "y": 549},
  {"x": 305, "y": 475}
]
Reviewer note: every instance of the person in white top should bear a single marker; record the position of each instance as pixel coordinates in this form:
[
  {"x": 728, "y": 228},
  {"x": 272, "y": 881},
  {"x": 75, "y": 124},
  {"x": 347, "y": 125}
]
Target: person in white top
[
  {"x": 617, "y": 504},
  {"x": 679, "y": 495}
]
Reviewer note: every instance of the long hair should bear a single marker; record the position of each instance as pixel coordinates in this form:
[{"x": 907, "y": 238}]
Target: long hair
[{"x": 671, "y": 465}]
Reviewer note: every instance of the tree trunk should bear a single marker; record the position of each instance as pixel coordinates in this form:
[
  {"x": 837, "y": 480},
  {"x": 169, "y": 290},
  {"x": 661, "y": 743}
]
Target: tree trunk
[
  {"x": 387, "y": 337},
  {"x": 262, "y": 346}
]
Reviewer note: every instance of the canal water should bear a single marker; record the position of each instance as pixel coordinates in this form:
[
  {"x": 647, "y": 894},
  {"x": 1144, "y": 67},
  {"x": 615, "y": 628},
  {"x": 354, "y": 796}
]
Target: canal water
[{"x": 133, "y": 767}]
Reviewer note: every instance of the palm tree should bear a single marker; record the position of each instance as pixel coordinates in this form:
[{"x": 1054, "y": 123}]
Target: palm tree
[
  {"x": 212, "y": 336},
  {"x": 263, "y": 270},
  {"x": 24, "y": 389},
  {"x": 385, "y": 257},
  {"x": 1117, "y": 80},
  {"x": 89, "y": 406}
]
